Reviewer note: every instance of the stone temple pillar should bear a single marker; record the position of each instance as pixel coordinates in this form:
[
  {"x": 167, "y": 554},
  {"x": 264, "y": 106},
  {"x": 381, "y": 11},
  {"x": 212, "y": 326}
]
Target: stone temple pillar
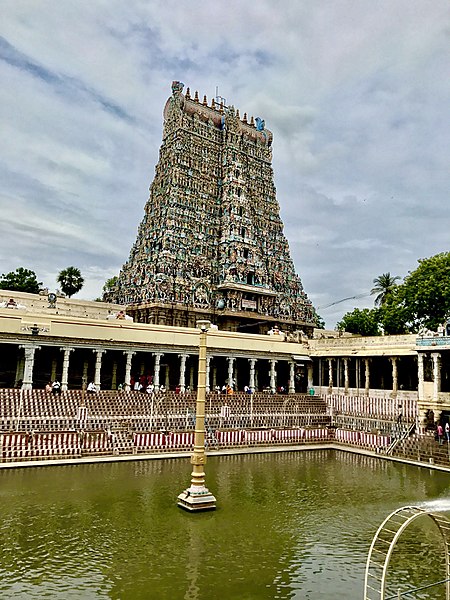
[
  {"x": 98, "y": 367},
  {"x": 29, "y": 365},
  {"x": 114, "y": 375},
  {"x": 182, "y": 382},
  {"x": 230, "y": 370},
  {"x": 367, "y": 376},
  {"x": 291, "y": 389},
  {"x": 394, "y": 375},
  {"x": 330, "y": 375},
  {"x": 310, "y": 375},
  {"x": 157, "y": 370},
  {"x": 346, "y": 380},
  {"x": 208, "y": 371},
  {"x": 129, "y": 354},
  {"x": 65, "y": 369},
  {"x": 273, "y": 376},
  {"x": 251, "y": 384},
  {"x": 420, "y": 374},
  {"x": 436, "y": 375}
]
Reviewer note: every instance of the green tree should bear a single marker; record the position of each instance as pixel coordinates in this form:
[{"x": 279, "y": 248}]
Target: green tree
[
  {"x": 110, "y": 284},
  {"x": 362, "y": 322},
  {"x": 70, "y": 280},
  {"x": 425, "y": 294},
  {"x": 393, "y": 315},
  {"x": 20, "y": 280},
  {"x": 384, "y": 285}
]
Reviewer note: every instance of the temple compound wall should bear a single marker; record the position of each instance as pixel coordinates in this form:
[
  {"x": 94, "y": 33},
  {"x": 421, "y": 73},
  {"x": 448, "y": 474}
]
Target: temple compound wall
[{"x": 211, "y": 243}]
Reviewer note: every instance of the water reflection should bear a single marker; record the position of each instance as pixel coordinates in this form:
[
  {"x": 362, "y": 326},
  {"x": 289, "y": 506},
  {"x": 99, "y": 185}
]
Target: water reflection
[{"x": 288, "y": 525}]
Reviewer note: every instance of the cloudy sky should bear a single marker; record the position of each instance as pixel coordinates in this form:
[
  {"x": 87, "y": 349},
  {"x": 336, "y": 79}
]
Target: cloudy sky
[{"x": 356, "y": 92}]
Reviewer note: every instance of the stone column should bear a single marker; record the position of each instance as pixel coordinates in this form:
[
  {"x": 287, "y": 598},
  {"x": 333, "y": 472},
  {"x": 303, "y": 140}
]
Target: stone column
[
  {"x": 394, "y": 375},
  {"x": 273, "y": 376},
  {"x": 20, "y": 367},
  {"x": 85, "y": 374},
  {"x": 420, "y": 374},
  {"x": 346, "y": 379},
  {"x": 129, "y": 354},
  {"x": 182, "y": 382},
  {"x": 357, "y": 374},
  {"x": 53, "y": 370},
  {"x": 208, "y": 370},
  {"x": 29, "y": 364},
  {"x": 65, "y": 369},
  {"x": 251, "y": 383},
  {"x": 157, "y": 370},
  {"x": 367, "y": 376},
  {"x": 98, "y": 366},
  {"x": 114, "y": 375},
  {"x": 191, "y": 378},
  {"x": 167, "y": 378},
  {"x": 320, "y": 372},
  {"x": 436, "y": 375},
  {"x": 291, "y": 389},
  {"x": 310, "y": 370},
  {"x": 230, "y": 370},
  {"x": 330, "y": 375}
]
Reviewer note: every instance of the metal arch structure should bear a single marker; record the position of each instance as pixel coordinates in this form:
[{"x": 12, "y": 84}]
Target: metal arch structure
[{"x": 385, "y": 540}]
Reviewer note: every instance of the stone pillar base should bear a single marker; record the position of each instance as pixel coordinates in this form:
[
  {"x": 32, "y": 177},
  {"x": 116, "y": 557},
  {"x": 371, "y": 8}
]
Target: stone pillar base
[{"x": 196, "y": 499}]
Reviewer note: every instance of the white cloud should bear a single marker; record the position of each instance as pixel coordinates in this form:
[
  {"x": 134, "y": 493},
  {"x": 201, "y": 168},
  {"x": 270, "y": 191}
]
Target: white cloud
[{"x": 355, "y": 93}]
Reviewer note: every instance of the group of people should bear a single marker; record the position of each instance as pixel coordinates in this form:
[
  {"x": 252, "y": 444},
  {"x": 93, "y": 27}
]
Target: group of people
[
  {"x": 440, "y": 430},
  {"x": 53, "y": 387}
]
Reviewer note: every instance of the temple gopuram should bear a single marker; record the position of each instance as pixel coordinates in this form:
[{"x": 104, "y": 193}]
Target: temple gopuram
[{"x": 211, "y": 243}]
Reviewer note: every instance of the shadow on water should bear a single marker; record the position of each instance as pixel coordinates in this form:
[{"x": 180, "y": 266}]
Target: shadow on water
[{"x": 289, "y": 525}]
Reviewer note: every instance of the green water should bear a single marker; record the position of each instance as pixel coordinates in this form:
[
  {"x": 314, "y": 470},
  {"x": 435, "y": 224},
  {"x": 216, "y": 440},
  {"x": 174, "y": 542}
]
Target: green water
[{"x": 288, "y": 525}]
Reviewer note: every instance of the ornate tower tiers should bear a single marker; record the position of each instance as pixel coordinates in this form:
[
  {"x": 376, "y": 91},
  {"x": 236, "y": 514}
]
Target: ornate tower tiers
[{"x": 211, "y": 243}]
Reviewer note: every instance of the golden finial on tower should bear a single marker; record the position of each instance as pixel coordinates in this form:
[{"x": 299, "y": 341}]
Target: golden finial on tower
[
  {"x": 252, "y": 121},
  {"x": 196, "y": 96},
  {"x": 237, "y": 114},
  {"x": 205, "y": 101},
  {"x": 244, "y": 120},
  {"x": 213, "y": 104},
  {"x": 188, "y": 94}
]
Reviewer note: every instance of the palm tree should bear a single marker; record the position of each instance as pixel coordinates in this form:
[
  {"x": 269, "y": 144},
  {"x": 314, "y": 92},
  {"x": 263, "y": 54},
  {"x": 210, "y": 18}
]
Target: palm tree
[
  {"x": 384, "y": 284},
  {"x": 70, "y": 280}
]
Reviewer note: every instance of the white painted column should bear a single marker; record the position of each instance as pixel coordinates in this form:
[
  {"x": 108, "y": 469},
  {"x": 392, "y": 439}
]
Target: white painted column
[
  {"x": 98, "y": 366},
  {"x": 65, "y": 369},
  {"x": 394, "y": 375},
  {"x": 231, "y": 360},
  {"x": 291, "y": 389},
  {"x": 346, "y": 380},
  {"x": 29, "y": 351},
  {"x": 129, "y": 357},
  {"x": 436, "y": 375},
  {"x": 367, "y": 376},
  {"x": 157, "y": 370},
  {"x": 214, "y": 377},
  {"x": 273, "y": 376},
  {"x": 420, "y": 374},
  {"x": 182, "y": 382},
  {"x": 252, "y": 382},
  {"x": 330, "y": 375},
  {"x": 208, "y": 369},
  {"x": 310, "y": 370}
]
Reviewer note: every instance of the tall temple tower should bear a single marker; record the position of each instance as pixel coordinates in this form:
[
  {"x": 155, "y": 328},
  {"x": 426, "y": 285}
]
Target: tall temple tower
[{"x": 211, "y": 243}]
